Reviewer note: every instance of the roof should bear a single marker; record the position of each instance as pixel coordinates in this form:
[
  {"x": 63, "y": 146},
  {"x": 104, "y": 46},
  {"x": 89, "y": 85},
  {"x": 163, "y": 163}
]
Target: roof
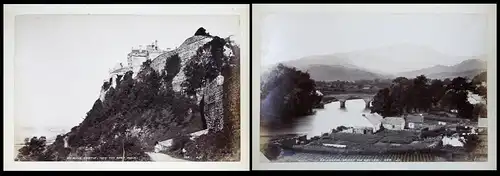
[
  {"x": 375, "y": 119},
  {"x": 393, "y": 120},
  {"x": 415, "y": 118}
]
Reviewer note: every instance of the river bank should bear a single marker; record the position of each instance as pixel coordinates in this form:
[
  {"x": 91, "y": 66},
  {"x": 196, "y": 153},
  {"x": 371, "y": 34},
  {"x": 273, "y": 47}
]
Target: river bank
[{"x": 321, "y": 140}]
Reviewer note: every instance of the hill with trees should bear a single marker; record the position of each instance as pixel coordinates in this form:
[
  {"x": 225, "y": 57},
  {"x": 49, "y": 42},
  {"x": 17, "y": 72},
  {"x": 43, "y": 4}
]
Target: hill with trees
[
  {"x": 421, "y": 94},
  {"x": 287, "y": 93},
  {"x": 140, "y": 111}
]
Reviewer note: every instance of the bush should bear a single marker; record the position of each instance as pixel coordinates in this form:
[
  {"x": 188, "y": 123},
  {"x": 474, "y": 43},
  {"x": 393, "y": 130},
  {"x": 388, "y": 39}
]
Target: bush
[{"x": 272, "y": 151}]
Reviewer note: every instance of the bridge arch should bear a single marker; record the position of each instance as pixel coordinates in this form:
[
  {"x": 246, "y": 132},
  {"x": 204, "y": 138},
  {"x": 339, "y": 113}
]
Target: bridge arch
[{"x": 342, "y": 98}]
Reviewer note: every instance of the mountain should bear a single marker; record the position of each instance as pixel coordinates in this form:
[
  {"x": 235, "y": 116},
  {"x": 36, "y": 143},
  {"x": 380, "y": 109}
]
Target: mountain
[
  {"x": 332, "y": 67},
  {"x": 135, "y": 111},
  {"x": 338, "y": 72},
  {"x": 387, "y": 62},
  {"x": 466, "y": 68}
]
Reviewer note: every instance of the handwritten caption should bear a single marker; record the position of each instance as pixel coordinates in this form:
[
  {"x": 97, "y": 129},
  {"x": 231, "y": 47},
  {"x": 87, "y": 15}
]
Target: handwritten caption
[
  {"x": 361, "y": 160},
  {"x": 101, "y": 158}
]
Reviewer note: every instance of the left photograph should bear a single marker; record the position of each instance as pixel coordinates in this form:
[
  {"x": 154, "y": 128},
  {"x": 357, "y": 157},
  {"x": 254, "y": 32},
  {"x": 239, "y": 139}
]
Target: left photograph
[{"x": 127, "y": 88}]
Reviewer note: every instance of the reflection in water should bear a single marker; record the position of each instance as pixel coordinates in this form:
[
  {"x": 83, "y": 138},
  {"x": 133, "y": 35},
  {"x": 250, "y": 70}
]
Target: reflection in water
[{"x": 324, "y": 120}]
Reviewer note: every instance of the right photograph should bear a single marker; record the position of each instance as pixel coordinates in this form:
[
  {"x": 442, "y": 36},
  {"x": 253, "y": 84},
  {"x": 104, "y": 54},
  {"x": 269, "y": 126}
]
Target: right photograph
[{"x": 374, "y": 87}]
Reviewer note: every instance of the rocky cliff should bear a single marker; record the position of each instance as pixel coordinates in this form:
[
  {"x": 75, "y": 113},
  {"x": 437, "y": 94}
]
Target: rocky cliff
[{"x": 165, "y": 101}]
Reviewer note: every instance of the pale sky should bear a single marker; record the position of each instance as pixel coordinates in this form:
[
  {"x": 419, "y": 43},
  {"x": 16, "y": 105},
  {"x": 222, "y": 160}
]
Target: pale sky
[
  {"x": 292, "y": 36},
  {"x": 62, "y": 60}
]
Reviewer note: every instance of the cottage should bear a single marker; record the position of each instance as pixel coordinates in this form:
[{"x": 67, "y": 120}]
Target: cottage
[
  {"x": 413, "y": 121},
  {"x": 349, "y": 130},
  {"x": 454, "y": 141},
  {"x": 363, "y": 130},
  {"x": 375, "y": 121},
  {"x": 359, "y": 130},
  {"x": 393, "y": 123}
]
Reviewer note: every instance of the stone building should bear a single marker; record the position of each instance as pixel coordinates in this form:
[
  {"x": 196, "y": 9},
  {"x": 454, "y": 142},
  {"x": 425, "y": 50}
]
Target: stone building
[
  {"x": 393, "y": 123},
  {"x": 139, "y": 55},
  {"x": 414, "y": 121},
  {"x": 375, "y": 120}
]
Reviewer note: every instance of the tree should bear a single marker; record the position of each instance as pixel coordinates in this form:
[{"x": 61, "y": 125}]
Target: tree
[
  {"x": 290, "y": 92},
  {"x": 382, "y": 102},
  {"x": 205, "y": 66},
  {"x": 437, "y": 91},
  {"x": 33, "y": 149},
  {"x": 201, "y": 31},
  {"x": 172, "y": 67},
  {"x": 460, "y": 84},
  {"x": 480, "y": 78},
  {"x": 400, "y": 80}
]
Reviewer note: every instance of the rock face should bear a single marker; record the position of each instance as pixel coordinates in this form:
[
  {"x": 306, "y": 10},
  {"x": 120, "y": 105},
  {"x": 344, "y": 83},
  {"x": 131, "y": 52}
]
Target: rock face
[
  {"x": 186, "y": 51},
  {"x": 161, "y": 98}
]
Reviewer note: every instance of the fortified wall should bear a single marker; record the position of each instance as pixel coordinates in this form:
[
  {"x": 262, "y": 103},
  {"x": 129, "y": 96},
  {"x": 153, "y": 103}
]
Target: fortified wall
[
  {"x": 213, "y": 104},
  {"x": 134, "y": 62}
]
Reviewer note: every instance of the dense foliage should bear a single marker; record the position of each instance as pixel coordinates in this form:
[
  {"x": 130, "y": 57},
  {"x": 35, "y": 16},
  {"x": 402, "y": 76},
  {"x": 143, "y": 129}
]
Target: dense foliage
[
  {"x": 288, "y": 92},
  {"x": 205, "y": 66},
  {"x": 141, "y": 103},
  {"x": 423, "y": 95}
]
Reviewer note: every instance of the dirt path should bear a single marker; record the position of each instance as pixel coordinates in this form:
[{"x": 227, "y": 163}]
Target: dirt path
[{"x": 163, "y": 157}]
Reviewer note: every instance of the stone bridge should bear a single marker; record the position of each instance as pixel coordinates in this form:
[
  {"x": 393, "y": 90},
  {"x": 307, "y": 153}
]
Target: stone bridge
[{"x": 342, "y": 98}]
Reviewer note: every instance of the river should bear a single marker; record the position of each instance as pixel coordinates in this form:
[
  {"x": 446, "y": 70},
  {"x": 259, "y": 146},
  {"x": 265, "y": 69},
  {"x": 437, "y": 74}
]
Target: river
[{"x": 331, "y": 116}]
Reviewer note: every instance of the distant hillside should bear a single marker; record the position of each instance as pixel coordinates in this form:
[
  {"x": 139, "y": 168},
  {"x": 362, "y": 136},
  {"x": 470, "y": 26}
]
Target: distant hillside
[
  {"x": 337, "y": 72},
  {"x": 444, "y": 75},
  {"x": 387, "y": 60},
  {"x": 467, "y": 68}
]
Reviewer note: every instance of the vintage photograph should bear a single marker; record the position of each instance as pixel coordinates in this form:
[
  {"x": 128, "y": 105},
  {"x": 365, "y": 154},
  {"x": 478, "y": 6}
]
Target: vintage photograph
[
  {"x": 161, "y": 88},
  {"x": 374, "y": 87}
]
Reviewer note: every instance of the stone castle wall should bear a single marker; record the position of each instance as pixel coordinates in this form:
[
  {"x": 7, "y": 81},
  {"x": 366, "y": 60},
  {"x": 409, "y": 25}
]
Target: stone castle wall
[{"x": 213, "y": 102}]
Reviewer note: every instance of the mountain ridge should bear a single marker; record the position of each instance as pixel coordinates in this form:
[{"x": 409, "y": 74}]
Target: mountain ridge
[{"x": 378, "y": 63}]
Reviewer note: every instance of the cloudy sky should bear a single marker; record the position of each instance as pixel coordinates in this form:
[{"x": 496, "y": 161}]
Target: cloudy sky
[
  {"x": 292, "y": 36},
  {"x": 62, "y": 60}
]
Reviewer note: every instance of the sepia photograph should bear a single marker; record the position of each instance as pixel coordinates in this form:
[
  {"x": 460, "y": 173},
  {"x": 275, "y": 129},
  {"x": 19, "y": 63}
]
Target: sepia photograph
[
  {"x": 99, "y": 87},
  {"x": 374, "y": 87}
]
